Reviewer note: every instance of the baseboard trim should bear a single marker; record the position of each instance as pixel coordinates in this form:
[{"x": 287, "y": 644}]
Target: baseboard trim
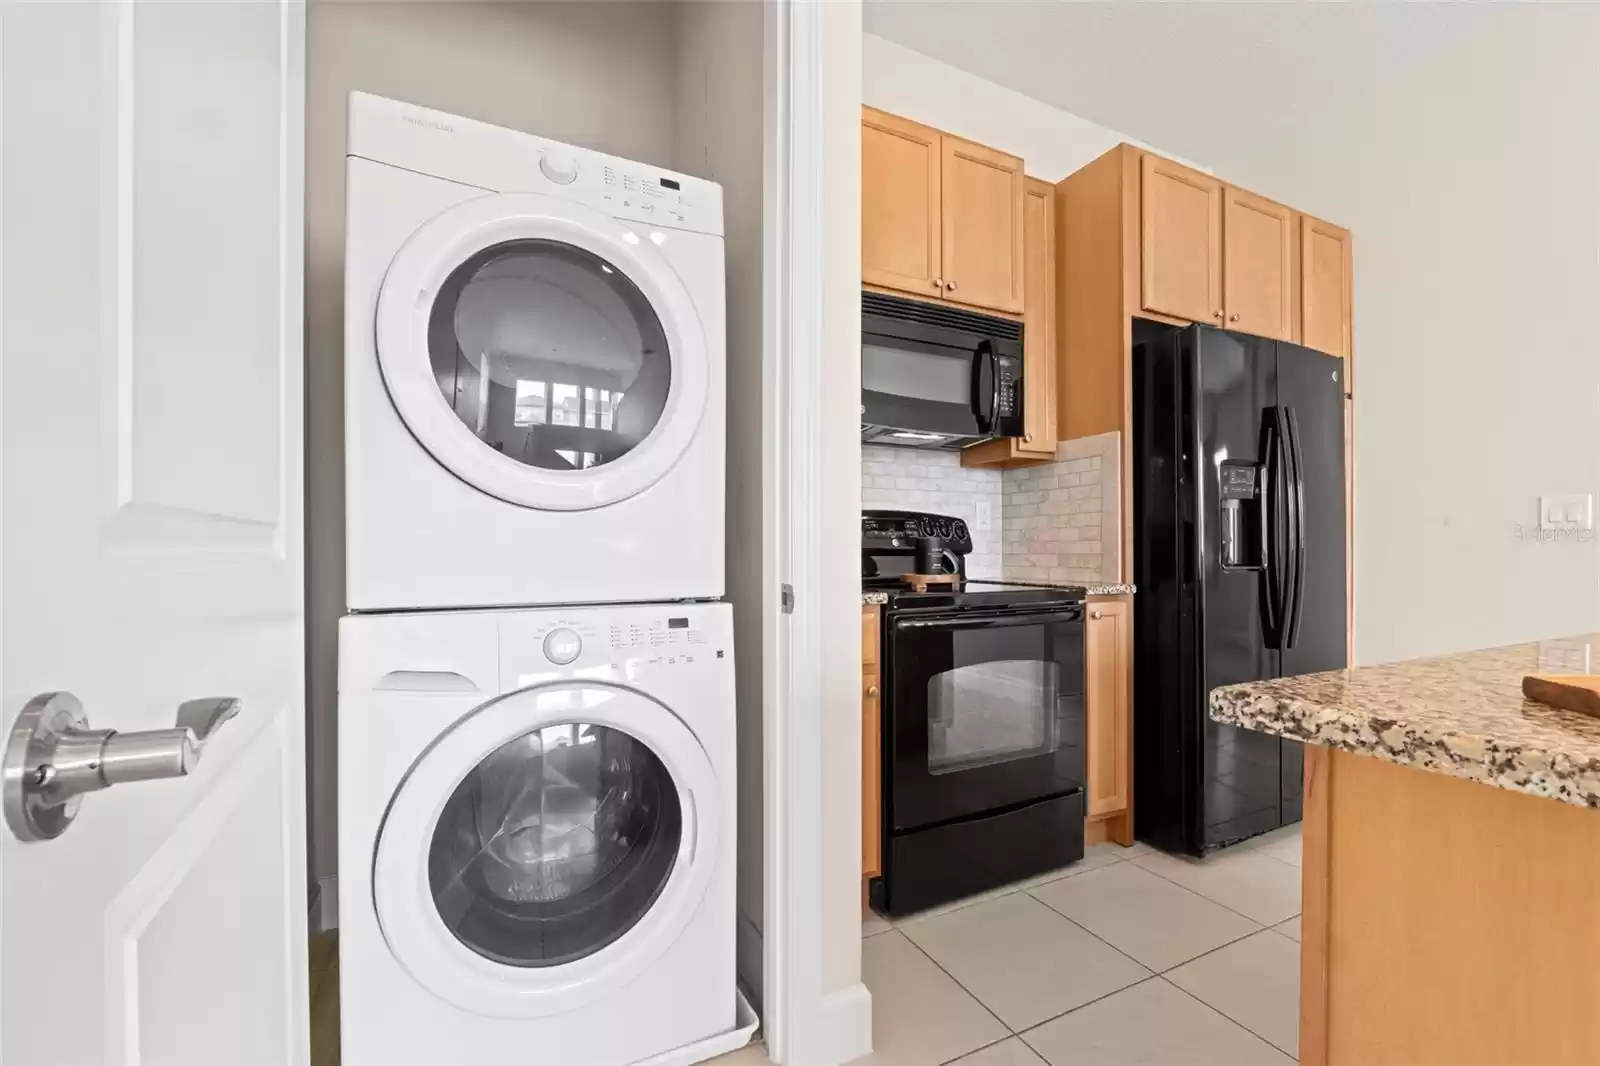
[
  {"x": 750, "y": 960},
  {"x": 846, "y": 1024}
]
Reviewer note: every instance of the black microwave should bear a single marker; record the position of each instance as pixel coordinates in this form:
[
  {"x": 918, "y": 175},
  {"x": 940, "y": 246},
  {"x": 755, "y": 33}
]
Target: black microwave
[{"x": 937, "y": 377}]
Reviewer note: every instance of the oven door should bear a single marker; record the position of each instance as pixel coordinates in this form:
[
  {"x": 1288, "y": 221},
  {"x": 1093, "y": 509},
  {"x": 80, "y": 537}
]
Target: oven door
[{"x": 985, "y": 712}]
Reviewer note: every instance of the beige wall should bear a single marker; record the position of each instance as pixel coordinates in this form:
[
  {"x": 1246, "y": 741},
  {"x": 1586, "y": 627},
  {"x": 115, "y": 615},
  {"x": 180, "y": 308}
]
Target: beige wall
[
  {"x": 720, "y": 50},
  {"x": 1472, "y": 187},
  {"x": 600, "y": 75}
]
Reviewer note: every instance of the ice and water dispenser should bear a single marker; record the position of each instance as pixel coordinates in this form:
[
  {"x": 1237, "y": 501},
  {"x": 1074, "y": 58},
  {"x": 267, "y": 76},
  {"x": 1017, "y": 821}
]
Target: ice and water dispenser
[{"x": 1243, "y": 515}]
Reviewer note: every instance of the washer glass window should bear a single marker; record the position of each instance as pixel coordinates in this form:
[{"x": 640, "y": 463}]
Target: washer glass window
[
  {"x": 549, "y": 354},
  {"x": 555, "y": 845}
]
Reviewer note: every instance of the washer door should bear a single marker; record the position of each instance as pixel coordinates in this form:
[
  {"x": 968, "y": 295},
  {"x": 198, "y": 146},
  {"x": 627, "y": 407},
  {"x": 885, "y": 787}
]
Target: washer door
[
  {"x": 542, "y": 352},
  {"x": 546, "y": 849}
]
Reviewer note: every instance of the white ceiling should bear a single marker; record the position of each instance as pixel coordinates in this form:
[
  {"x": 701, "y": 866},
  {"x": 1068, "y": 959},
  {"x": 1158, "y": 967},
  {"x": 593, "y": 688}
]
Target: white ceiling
[{"x": 1208, "y": 81}]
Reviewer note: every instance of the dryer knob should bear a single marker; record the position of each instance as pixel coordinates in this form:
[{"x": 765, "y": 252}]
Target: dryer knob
[
  {"x": 561, "y": 169},
  {"x": 561, "y": 646}
]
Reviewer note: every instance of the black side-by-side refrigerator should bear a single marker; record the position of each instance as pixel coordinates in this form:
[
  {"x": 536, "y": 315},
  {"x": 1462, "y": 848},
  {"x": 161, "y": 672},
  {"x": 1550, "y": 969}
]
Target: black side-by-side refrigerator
[{"x": 1239, "y": 559}]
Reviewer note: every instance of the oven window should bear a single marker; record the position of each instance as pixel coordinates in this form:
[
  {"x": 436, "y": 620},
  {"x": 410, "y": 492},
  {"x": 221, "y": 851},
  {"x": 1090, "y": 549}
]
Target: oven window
[{"x": 991, "y": 712}]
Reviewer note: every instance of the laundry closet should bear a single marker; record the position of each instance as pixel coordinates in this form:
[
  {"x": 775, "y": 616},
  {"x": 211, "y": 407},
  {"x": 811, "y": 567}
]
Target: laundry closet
[{"x": 534, "y": 734}]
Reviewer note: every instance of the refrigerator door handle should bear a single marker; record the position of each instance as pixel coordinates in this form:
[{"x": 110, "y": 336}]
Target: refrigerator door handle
[
  {"x": 1297, "y": 529},
  {"x": 1272, "y": 573}
]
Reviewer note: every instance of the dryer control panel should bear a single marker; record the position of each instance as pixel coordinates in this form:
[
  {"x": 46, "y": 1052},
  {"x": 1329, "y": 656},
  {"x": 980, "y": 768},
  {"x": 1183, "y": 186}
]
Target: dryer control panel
[{"x": 502, "y": 160}]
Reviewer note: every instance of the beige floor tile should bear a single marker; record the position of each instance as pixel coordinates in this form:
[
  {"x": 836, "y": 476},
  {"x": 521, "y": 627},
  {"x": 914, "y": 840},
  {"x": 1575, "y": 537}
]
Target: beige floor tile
[
  {"x": 1148, "y": 917},
  {"x": 873, "y": 923},
  {"x": 1281, "y": 844},
  {"x": 1256, "y": 982},
  {"x": 1094, "y": 857},
  {"x": 1024, "y": 961},
  {"x": 752, "y": 1054},
  {"x": 1150, "y": 1024},
  {"x": 1011, "y": 1052},
  {"x": 1255, "y": 885},
  {"x": 920, "y": 1016},
  {"x": 1290, "y": 929}
]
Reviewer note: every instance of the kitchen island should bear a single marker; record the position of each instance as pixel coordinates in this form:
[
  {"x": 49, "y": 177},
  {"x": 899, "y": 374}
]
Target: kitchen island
[{"x": 1451, "y": 882}]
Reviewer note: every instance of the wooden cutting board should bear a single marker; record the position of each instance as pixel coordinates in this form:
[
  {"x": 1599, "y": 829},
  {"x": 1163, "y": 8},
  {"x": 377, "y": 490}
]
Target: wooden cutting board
[{"x": 1569, "y": 692}]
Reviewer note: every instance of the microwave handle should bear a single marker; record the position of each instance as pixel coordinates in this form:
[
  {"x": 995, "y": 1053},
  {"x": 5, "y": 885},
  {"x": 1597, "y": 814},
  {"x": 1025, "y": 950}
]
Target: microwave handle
[{"x": 983, "y": 358}]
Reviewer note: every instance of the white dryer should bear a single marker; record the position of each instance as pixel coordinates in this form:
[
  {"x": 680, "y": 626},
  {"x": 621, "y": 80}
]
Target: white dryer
[
  {"x": 536, "y": 834},
  {"x": 534, "y": 370}
]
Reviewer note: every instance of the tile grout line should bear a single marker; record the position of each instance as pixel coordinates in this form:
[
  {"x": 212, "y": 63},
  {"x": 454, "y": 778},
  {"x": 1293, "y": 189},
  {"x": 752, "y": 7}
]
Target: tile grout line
[
  {"x": 999, "y": 893},
  {"x": 1010, "y": 1032},
  {"x": 1295, "y": 1057},
  {"x": 1219, "y": 903}
]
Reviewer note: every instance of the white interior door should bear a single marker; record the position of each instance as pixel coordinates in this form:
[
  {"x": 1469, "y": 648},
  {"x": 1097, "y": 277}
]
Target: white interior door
[{"x": 150, "y": 525}]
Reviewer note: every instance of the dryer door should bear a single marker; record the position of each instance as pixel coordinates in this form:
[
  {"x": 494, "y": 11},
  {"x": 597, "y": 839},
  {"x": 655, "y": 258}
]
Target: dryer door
[
  {"x": 547, "y": 849},
  {"x": 543, "y": 352}
]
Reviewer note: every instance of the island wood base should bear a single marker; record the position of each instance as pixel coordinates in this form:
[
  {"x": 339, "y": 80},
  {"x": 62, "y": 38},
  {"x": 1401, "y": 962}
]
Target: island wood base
[{"x": 1445, "y": 923}]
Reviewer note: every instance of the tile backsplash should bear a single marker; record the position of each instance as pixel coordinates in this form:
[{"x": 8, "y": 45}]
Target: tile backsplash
[
  {"x": 1061, "y": 517},
  {"x": 1051, "y": 522},
  {"x": 914, "y": 479}
]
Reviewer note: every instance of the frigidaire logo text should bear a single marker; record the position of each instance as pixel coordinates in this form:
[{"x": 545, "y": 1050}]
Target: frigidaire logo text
[{"x": 432, "y": 124}]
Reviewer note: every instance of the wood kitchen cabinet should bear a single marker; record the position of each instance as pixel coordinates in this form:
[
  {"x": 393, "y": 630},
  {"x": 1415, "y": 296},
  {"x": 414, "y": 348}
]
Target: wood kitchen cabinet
[
  {"x": 1108, "y": 666},
  {"x": 871, "y": 746},
  {"x": 941, "y": 217},
  {"x": 901, "y": 204},
  {"x": 1258, "y": 264},
  {"x": 1325, "y": 296},
  {"x": 1180, "y": 213},
  {"x": 1038, "y": 442}
]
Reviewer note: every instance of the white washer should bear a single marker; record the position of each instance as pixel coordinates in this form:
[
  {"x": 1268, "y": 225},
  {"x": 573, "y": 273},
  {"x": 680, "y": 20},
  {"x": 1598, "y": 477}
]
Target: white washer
[
  {"x": 536, "y": 834},
  {"x": 534, "y": 370}
]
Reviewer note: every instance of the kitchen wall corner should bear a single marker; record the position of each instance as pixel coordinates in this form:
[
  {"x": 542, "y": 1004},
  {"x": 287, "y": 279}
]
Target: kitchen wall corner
[{"x": 1061, "y": 518}]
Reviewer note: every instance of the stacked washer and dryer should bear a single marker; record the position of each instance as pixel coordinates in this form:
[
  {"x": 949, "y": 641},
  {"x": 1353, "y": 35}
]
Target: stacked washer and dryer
[{"x": 536, "y": 697}]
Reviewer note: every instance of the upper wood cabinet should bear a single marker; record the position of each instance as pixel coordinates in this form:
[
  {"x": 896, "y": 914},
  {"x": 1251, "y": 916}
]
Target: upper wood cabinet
[
  {"x": 1108, "y": 657},
  {"x": 1038, "y": 442},
  {"x": 941, "y": 217},
  {"x": 983, "y": 228},
  {"x": 1180, "y": 226},
  {"x": 901, "y": 234},
  {"x": 1325, "y": 285},
  {"x": 1258, "y": 238}
]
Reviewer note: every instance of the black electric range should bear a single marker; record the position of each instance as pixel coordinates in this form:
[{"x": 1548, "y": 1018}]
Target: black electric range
[{"x": 983, "y": 719}]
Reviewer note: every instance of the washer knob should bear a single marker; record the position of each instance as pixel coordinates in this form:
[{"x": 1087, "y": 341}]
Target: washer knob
[
  {"x": 561, "y": 169},
  {"x": 561, "y": 646}
]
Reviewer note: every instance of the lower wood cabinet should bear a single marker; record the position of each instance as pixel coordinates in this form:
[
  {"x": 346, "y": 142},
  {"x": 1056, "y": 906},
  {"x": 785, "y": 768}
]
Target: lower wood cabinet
[
  {"x": 1108, "y": 658},
  {"x": 871, "y": 749}
]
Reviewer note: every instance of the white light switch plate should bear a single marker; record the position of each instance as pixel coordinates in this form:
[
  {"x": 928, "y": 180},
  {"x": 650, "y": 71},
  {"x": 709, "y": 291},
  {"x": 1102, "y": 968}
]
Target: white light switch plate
[
  {"x": 1573, "y": 510},
  {"x": 982, "y": 517}
]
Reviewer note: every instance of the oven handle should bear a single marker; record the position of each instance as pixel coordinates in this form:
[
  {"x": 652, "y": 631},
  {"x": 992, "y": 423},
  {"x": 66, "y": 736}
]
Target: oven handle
[{"x": 990, "y": 621}]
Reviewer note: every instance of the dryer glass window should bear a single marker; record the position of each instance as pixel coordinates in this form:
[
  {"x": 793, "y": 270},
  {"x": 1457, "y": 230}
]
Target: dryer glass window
[
  {"x": 549, "y": 354},
  {"x": 555, "y": 845}
]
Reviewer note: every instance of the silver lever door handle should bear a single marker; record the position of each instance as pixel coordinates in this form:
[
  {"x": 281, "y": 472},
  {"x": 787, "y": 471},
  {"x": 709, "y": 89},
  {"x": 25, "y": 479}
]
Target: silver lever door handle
[{"x": 53, "y": 758}]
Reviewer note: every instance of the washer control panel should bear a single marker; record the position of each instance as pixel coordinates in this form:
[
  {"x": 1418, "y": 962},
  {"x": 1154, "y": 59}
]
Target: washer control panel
[{"x": 611, "y": 642}]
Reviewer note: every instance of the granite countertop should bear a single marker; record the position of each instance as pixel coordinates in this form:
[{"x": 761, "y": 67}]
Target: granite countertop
[
  {"x": 1462, "y": 715},
  {"x": 1109, "y": 589}
]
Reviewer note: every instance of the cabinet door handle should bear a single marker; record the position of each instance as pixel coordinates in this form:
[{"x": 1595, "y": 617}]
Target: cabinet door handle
[
  {"x": 950, "y": 285},
  {"x": 872, "y": 692},
  {"x": 1216, "y": 314},
  {"x": 1233, "y": 318},
  {"x": 938, "y": 283},
  {"x": 1094, "y": 614}
]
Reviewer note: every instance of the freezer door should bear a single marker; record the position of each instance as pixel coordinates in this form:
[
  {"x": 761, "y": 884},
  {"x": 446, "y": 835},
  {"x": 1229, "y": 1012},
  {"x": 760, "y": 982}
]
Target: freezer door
[
  {"x": 1234, "y": 391},
  {"x": 1312, "y": 394}
]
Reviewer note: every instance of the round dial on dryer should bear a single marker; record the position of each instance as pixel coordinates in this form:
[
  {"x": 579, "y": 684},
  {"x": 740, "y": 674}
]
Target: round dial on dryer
[
  {"x": 561, "y": 169},
  {"x": 561, "y": 646}
]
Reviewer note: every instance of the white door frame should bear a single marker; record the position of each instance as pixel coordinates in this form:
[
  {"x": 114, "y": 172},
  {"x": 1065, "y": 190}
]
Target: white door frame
[{"x": 816, "y": 1010}]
